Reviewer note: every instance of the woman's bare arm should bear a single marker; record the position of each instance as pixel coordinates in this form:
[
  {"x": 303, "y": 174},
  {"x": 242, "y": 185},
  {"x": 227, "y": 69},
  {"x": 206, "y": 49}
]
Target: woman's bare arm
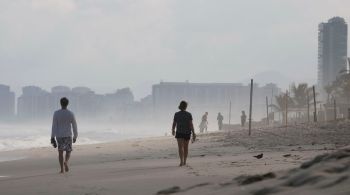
[
  {"x": 193, "y": 133},
  {"x": 173, "y": 128},
  {"x": 191, "y": 126}
]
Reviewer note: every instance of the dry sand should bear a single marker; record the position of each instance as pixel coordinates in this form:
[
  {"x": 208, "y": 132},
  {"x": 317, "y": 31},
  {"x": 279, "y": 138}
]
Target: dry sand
[{"x": 217, "y": 164}]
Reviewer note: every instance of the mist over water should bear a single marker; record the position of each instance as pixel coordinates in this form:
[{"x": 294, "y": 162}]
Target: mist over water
[
  {"x": 25, "y": 135},
  {"x": 21, "y": 136}
]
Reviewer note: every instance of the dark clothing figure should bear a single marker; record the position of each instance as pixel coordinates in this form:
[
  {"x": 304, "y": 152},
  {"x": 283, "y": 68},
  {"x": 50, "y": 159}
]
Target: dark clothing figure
[
  {"x": 204, "y": 123},
  {"x": 243, "y": 119},
  {"x": 183, "y": 120},
  {"x": 184, "y": 128},
  {"x": 220, "y": 118}
]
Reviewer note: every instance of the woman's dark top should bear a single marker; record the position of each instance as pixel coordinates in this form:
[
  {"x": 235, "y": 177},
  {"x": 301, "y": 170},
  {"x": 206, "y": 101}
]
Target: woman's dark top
[{"x": 183, "y": 122}]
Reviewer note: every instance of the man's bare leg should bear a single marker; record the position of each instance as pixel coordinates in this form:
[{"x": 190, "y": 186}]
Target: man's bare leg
[
  {"x": 60, "y": 159},
  {"x": 185, "y": 150},
  {"x": 180, "y": 143},
  {"x": 66, "y": 168}
]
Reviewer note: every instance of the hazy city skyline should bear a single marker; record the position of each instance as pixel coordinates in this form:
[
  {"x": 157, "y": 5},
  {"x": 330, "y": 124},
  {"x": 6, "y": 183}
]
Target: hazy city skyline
[
  {"x": 107, "y": 45},
  {"x": 37, "y": 104}
]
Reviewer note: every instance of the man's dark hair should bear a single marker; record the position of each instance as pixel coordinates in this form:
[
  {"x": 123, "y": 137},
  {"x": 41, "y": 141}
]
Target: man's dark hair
[
  {"x": 183, "y": 105},
  {"x": 64, "y": 102}
]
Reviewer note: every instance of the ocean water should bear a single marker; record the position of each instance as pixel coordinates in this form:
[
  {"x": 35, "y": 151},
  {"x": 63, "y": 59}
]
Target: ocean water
[{"x": 14, "y": 137}]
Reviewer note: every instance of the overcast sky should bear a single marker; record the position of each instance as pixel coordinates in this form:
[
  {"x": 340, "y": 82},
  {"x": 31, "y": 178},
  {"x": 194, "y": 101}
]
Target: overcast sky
[{"x": 110, "y": 44}]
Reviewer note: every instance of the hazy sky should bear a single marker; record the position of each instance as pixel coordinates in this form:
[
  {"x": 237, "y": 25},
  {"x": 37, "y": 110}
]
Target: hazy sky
[{"x": 110, "y": 44}]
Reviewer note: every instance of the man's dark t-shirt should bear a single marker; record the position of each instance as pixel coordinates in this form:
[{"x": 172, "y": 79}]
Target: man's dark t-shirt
[{"x": 183, "y": 120}]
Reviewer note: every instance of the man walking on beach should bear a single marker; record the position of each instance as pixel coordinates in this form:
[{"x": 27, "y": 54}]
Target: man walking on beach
[
  {"x": 62, "y": 124},
  {"x": 243, "y": 118}
]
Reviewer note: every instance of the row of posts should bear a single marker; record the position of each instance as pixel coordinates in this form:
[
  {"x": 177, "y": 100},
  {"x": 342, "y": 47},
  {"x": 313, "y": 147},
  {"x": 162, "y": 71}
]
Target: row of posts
[{"x": 286, "y": 107}]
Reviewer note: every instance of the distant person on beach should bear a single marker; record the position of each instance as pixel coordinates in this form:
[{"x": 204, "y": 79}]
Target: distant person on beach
[
  {"x": 62, "y": 124},
  {"x": 220, "y": 118},
  {"x": 184, "y": 129},
  {"x": 243, "y": 118},
  {"x": 204, "y": 123}
]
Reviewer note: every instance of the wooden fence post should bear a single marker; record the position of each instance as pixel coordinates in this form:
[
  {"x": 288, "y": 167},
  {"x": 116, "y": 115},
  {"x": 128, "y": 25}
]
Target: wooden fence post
[
  {"x": 286, "y": 107},
  {"x": 229, "y": 115},
  {"x": 315, "y": 109},
  {"x": 267, "y": 111},
  {"x": 335, "y": 108},
  {"x": 250, "y": 106},
  {"x": 308, "y": 107}
]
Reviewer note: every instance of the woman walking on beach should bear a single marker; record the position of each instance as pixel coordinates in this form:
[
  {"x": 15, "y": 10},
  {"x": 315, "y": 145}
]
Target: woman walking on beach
[{"x": 184, "y": 129}]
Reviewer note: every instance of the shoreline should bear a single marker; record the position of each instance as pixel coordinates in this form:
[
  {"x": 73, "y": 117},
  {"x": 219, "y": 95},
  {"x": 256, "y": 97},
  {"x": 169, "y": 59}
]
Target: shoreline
[
  {"x": 79, "y": 143},
  {"x": 11, "y": 158}
]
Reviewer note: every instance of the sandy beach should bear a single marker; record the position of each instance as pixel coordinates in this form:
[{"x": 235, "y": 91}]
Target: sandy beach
[{"x": 219, "y": 163}]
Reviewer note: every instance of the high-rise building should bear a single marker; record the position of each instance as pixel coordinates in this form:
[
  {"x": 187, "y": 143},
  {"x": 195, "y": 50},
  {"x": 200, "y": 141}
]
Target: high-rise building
[
  {"x": 33, "y": 104},
  {"x": 332, "y": 51},
  {"x": 210, "y": 97},
  {"x": 7, "y": 102}
]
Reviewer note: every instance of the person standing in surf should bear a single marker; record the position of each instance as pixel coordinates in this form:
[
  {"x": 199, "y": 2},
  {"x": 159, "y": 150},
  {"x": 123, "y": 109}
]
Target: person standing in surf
[
  {"x": 243, "y": 118},
  {"x": 220, "y": 118},
  {"x": 184, "y": 128},
  {"x": 203, "y": 126},
  {"x": 62, "y": 124}
]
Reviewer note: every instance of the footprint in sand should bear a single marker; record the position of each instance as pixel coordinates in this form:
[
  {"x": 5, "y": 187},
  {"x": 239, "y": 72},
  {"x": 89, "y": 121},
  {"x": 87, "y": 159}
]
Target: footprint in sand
[{"x": 192, "y": 171}]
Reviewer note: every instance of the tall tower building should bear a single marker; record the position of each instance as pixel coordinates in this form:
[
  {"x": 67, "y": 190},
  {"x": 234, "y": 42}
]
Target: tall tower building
[
  {"x": 332, "y": 51},
  {"x": 7, "y": 103}
]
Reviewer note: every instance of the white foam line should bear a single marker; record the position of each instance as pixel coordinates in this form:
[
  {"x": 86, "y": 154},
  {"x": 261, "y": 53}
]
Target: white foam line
[
  {"x": 12, "y": 159},
  {"x": 1, "y": 176}
]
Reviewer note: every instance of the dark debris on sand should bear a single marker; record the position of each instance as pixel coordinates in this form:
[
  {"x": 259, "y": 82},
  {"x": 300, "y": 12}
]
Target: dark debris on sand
[
  {"x": 177, "y": 189},
  {"x": 170, "y": 190},
  {"x": 325, "y": 174},
  {"x": 322, "y": 172},
  {"x": 248, "y": 179}
]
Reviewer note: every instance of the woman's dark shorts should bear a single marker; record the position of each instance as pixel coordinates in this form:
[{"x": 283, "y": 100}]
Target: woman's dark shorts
[
  {"x": 185, "y": 136},
  {"x": 64, "y": 143}
]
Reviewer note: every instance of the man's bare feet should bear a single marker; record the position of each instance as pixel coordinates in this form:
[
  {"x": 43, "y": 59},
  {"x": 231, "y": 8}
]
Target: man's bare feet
[
  {"x": 181, "y": 164},
  {"x": 66, "y": 168},
  {"x": 62, "y": 171}
]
